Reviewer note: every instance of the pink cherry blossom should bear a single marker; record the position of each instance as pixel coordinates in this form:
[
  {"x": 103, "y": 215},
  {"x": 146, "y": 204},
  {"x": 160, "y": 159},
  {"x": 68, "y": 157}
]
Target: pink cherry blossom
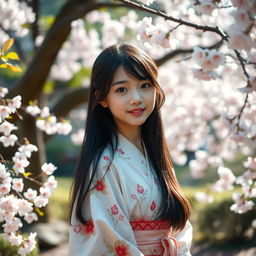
[
  {"x": 7, "y": 127},
  {"x": 8, "y": 140},
  {"x": 51, "y": 183},
  {"x": 5, "y": 188},
  {"x": 18, "y": 184},
  {"x": 241, "y": 4},
  {"x": 33, "y": 110},
  {"x": 30, "y": 217},
  {"x": 5, "y": 111},
  {"x": 30, "y": 194},
  {"x": 3, "y": 92},
  {"x": 63, "y": 128},
  {"x": 226, "y": 174},
  {"x": 251, "y": 163},
  {"x": 145, "y": 29},
  {"x": 45, "y": 112},
  {"x": 20, "y": 162},
  {"x": 13, "y": 239},
  {"x": 203, "y": 197},
  {"x": 27, "y": 149},
  {"x": 242, "y": 19},
  {"x": 48, "y": 168},
  {"x": 45, "y": 192},
  {"x": 201, "y": 75},
  {"x": 29, "y": 245},
  {"x": 13, "y": 225},
  {"x": 15, "y": 103},
  {"x": 206, "y": 7},
  {"x": 198, "y": 55},
  {"x": 238, "y": 40},
  {"x": 24, "y": 207},
  {"x": 78, "y": 137},
  {"x": 48, "y": 125},
  {"x": 40, "y": 201}
]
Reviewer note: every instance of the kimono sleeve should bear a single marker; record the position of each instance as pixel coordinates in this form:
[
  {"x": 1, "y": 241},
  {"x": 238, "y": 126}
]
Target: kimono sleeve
[
  {"x": 184, "y": 239},
  {"x": 108, "y": 230}
]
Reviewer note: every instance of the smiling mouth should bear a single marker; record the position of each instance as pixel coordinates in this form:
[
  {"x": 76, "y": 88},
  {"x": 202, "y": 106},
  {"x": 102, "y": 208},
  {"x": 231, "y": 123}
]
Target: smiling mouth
[{"x": 137, "y": 110}]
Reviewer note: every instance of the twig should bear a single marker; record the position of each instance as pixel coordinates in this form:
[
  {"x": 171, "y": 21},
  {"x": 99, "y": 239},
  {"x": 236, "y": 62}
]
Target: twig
[{"x": 180, "y": 21}]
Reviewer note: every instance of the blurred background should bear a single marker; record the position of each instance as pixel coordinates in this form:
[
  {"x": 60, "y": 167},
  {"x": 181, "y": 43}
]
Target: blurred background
[{"x": 57, "y": 42}]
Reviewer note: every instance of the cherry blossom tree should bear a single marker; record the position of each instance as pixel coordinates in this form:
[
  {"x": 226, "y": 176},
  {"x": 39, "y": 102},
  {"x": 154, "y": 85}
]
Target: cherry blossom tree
[{"x": 206, "y": 53}]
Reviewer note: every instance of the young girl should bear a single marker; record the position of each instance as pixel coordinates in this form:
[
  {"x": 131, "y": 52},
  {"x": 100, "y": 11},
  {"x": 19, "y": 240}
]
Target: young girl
[{"x": 126, "y": 199}]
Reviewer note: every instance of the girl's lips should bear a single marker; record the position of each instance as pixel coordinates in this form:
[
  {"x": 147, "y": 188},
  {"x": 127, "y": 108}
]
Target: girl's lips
[{"x": 136, "y": 112}]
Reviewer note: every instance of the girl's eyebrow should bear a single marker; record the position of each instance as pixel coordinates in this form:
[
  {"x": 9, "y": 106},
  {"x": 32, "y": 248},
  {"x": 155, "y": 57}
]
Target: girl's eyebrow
[
  {"x": 125, "y": 81},
  {"x": 119, "y": 82}
]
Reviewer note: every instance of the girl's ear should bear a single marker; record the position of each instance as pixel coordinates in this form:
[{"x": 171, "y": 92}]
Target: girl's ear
[{"x": 103, "y": 103}]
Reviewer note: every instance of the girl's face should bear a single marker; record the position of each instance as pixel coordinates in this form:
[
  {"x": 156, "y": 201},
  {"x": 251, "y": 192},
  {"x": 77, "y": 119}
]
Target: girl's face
[{"x": 130, "y": 100}]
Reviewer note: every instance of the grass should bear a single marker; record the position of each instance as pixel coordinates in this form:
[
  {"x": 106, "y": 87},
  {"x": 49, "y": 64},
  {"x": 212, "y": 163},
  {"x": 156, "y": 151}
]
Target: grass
[{"x": 58, "y": 204}]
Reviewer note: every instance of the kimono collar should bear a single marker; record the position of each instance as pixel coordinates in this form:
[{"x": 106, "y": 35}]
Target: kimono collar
[{"x": 126, "y": 144}]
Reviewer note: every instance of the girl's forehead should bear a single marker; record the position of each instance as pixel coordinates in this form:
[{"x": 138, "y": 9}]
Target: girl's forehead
[{"x": 123, "y": 73}]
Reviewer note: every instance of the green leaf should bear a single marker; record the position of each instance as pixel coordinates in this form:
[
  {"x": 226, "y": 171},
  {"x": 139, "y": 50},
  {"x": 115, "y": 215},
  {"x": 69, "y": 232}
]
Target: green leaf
[
  {"x": 26, "y": 174},
  {"x": 12, "y": 56},
  {"x": 4, "y": 65},
  {"x": 48, "y": 87},
  {"x": 39, "y": 212},
  {"x": 7, "y": 45},
  {"x": 13, "y": 68}
]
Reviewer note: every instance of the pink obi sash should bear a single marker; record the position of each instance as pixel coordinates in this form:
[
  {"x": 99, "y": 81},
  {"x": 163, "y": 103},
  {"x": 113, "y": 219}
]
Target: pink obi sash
[{"x": 153, "y": 238}]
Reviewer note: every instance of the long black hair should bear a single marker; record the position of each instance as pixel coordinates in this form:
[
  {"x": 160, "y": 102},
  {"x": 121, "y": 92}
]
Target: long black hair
[{"x": 100, "y": 131}]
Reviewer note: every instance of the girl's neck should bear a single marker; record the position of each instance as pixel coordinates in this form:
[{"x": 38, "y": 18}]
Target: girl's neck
[{"x": 134, "y": 136}]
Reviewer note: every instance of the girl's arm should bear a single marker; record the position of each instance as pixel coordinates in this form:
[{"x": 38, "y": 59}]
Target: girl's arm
[{"x": 108, "y": 230}]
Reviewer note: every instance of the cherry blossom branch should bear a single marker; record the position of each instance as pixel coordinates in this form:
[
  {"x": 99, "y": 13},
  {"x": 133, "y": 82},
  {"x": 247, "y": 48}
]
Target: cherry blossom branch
[
  {"x": 242, "y": 63},
  {"x": 32, "y": 82},
  {"x": 176, "y": 52},
  {"x": 180, "y": 21},
  {"x": 241, "y": 112},
  {"x": 74, "y": 98}
]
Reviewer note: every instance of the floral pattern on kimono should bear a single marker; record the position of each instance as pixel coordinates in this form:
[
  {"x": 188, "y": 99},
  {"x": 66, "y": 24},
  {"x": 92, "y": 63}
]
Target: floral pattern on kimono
[{"x": 122, "y": 192}]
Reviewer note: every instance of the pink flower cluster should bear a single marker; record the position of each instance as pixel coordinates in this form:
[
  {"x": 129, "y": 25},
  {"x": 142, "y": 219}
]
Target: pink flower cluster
[
  {"x": 15, "y": 203},
  {"x": 208, "y": 60},
  {"x": 158, "y": 34},
  {"x": 47, "y": 122}
]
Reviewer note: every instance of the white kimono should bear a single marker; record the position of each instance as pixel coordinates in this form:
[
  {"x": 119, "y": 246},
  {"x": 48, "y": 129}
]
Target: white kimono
[{"x": 127, "y": 191}]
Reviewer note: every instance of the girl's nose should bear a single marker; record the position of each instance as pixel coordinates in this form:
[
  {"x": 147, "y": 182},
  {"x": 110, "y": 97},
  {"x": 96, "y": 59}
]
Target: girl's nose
[{"x": 136, "y": 98}]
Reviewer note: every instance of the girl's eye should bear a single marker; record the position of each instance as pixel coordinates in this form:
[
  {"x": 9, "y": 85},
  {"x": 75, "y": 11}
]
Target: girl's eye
[
  {"x": 121, "y": 90},
  {"x": 146, "y": 85}
]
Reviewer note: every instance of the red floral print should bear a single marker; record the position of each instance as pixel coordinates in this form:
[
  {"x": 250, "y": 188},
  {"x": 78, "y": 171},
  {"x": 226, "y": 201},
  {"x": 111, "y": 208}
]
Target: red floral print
[
  {"x": 140, "y": 189},
  {"x": 106, "y": 158},
  {"x": 114, "y": 209},
  {"x": 120, "y": 151},
  {"x": 121, "y": 249},
  {"x": 153, "y": 205},
  {"x": 100, "y": 185},
  {"x": 88, "y": 228},
  {"x": 77, "y": 228},
  {"x": 133, "y": 196}
]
